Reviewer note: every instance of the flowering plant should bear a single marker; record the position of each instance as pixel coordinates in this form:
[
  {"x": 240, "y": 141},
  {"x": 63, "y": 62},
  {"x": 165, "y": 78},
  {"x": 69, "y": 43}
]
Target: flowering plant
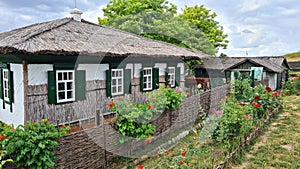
[
  {"x": 133, "y": 119},
  {"x": 32, "y": 145}
]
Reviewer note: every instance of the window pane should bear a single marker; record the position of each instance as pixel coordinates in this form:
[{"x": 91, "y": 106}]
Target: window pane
[
  {"x": 61, "y": 86},
  {"x": 114, "y": 82},
  {"x": 119, "y": 88},
  {"x": 114, "y": 90},
  {"x": 65, "y": 76},
  {"x": 69, "y": 94},
  {"x": 59, "y": 76},
  {"x": 70, "y": 75},
  {"x": 69, "y": 85},
  {"x": 61, "y": 95},
  {"x": 119, "y": 81}
]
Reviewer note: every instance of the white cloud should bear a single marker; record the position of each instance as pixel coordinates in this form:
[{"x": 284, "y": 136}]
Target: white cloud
[{"x": 93, "y": 14}]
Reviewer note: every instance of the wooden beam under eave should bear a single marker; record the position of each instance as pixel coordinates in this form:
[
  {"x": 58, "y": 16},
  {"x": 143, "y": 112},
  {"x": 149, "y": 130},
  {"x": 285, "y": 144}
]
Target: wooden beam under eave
[{"x": 25, "y": 84}]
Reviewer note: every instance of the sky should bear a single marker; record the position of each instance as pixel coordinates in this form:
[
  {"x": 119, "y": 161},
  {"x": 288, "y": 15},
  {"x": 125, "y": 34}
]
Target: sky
[{"x": 254, "y": 27}]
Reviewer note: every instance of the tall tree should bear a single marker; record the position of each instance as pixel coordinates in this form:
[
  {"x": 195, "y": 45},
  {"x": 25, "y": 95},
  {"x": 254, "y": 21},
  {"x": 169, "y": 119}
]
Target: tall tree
[
  {"x": 118, "y": 8},
  {"x": 165, "y": 28},
  {"x": 204, "y": 20}
]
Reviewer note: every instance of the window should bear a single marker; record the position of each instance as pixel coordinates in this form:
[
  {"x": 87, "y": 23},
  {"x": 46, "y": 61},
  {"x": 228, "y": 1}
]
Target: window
[
  {"x": 65, "y": 86},
  {"x": 147, "y": 82},
  {"x": 171, "y": 77},
  {"x": 116, "y": 82},
  {"x": 6, "y": 85}
]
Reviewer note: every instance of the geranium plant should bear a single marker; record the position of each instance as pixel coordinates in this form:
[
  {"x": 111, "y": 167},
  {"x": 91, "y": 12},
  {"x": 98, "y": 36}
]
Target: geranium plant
[
  {"x": 32, "y": 145},
  {"x": 133, "y": 120}
]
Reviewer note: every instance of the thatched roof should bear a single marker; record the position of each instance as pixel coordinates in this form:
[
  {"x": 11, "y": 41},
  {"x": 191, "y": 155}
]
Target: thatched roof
[
  {"x": 272, "y": 63},
  {"x": 294, "y": 65},
  {"x": 69, "y": 37}
]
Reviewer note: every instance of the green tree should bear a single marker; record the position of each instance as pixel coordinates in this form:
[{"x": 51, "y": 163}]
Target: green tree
[
  {"x": 204, "y": 20},
  {"x": 119, "y": 8},
  {"x": 166, "y": 28}
]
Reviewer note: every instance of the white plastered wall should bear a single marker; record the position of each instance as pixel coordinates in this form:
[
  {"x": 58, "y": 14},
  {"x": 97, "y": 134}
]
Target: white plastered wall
[{"x": 15, "y": 117}]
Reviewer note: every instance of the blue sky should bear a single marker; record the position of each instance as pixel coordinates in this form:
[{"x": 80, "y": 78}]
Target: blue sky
[{"x": 256, "y": 27}]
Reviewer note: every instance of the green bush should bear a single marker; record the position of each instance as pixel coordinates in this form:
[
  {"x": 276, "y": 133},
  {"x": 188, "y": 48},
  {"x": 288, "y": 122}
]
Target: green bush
[
  {"x": 133, "y": 119},
  {"x": 32, "y": 145}
]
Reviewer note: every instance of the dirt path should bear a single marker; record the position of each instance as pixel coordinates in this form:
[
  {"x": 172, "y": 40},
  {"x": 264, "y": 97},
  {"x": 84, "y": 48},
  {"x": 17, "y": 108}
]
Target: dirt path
[{"x": 279, "y": 146}]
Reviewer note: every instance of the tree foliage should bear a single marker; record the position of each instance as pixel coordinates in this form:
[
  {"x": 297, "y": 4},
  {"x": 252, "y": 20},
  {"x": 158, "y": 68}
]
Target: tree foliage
[
  {"x": 119, "y": 8},
  {"x": 164, "y": 27},
  {"x": 156, "y": 19},
  {"x": 204, "y": 20}
]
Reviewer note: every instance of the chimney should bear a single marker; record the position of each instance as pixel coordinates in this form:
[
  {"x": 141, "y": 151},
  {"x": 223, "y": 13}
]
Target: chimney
[{"x": 76, "y": 14}]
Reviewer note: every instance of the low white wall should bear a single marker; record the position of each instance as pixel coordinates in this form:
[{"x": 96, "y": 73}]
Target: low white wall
[{"x": 15, "y": 117}]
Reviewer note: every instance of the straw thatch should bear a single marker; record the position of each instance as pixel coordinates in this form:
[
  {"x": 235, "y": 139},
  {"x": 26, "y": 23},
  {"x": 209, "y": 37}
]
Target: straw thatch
[
  {"x": 274, "y": 64},
  {"x": 69, "y": 37}
]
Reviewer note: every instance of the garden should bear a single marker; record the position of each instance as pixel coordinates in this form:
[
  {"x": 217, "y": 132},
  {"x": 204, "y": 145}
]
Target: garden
[
  {"x": 226, "y": 132},
  {"x": 221, "y": 140}
]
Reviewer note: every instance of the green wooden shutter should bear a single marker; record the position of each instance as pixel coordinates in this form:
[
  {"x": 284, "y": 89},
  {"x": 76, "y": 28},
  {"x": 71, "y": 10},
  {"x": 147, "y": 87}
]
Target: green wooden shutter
[
  {"x": 108, "y": 83},
  {"x": 142, "y": 80},
  {"x": 127, "y": 81},
  {"x": 155, "y": 78},
  {"x": 236, "y": 75},
  {"x": 11, "y": 86},
  {"x": 167, "y": 77},
  {"x": 52, "y": 87},
  {"x": 1, "y": 85},
  {"x": 228, "y": 74},
  {"x": 80, "y": 85},
  {"x": 252, "y": 78},
  {"x": 177, "y": 76}
]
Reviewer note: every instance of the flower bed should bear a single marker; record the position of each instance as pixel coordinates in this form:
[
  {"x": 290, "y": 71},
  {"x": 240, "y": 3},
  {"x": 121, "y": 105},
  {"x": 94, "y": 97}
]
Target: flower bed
[{"x": 225, "y": 131}]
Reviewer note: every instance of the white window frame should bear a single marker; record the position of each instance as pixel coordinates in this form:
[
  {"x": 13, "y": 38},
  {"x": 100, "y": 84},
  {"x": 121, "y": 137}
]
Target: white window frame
[
  {"x": 5, "y": 75},
  {"x": 172, "y": 76},
  {"x": 148, "y": 76},
  {"x": 117, "y": 85},
  {"x": 65, "y": 86}
]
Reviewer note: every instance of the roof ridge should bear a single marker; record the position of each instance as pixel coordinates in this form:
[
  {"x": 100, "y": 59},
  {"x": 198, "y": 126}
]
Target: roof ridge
[
  {"x": 50, "y": 28},
  {"x": 139, "y": 36}
]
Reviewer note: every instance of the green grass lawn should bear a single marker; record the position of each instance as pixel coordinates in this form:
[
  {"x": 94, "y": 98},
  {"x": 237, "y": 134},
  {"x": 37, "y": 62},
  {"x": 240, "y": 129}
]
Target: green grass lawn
[{"x": 279, "y": 147}]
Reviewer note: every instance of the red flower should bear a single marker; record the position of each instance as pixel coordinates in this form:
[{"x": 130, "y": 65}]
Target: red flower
[
  {"x": 180, "y": 162},
  {"x": 148, "y": 140},
  {"x": 257, "y": 105},
  {"x": 268, "y": 89},
  {"x": 2, "y": 137},
  {"x": 227, "y": 97},
  {"x": 187, "y": 164},
  {"x": 140, "y": 167},
  {"x": 111, "y": 104},
  {"x": 150, "y": 106},
  {"x": 158, "y": 154},
  {"x": 183, "y": 154},
  {"x": 167, "y": 153},
  {"x": 32, "y": 122},
  {"x": 254, "y": 102},
  {"x": 256, "y": 97},
  {"x": 63, "y": 126}
]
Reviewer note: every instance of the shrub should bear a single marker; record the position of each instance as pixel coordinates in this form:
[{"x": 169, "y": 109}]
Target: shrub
[
  {"x": 242, "y": 89},
  {"x": 132, "y": 119},
  {"x": 32, "y": 145}
]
